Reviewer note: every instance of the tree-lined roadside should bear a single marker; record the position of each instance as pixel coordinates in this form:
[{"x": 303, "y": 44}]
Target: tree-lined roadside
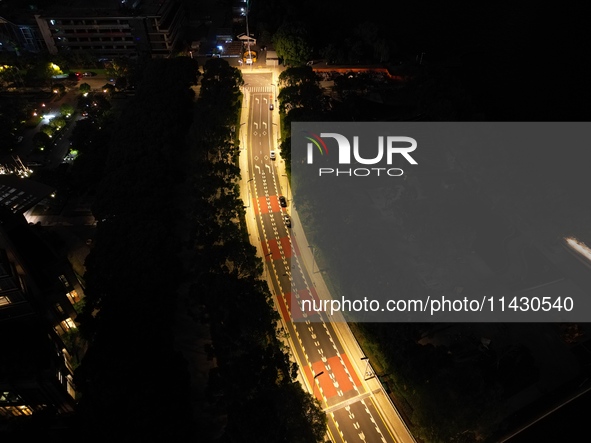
[
  {"x": 254, "y": 383},
  {"x": 169, "y": 218}
]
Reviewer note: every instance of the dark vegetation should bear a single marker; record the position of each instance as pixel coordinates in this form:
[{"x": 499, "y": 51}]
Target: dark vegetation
[
  {"x": 133, "y": 381},
  {"x": 160, "y": 177},
  {"x": 254, "y": 384},
  {"x": 512, "y": 65},
  {"x": 458, "y": 388},
  {"x": 169, "y": 216}
]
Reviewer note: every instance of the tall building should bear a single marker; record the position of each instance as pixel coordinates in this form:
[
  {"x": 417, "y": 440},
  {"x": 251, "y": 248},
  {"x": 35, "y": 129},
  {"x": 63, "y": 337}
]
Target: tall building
[
  {"x": 109, "y": 28},
  {"x": 37, "y": 322},
  {"x": 20, "y": 33}
]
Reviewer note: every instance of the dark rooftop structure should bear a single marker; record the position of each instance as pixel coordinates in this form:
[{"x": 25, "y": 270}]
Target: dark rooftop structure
[
  {"x": 103, "y": 8},
  {"x": 37, "y": 292},
  {"x": 20, "y": 194},
  {"x": 110, "y": 28}
]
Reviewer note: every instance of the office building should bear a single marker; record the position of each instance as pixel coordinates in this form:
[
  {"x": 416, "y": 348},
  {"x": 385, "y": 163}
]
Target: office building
[
  {"x": 40, "y": 344},
  {"x": 108, "y": 28}
]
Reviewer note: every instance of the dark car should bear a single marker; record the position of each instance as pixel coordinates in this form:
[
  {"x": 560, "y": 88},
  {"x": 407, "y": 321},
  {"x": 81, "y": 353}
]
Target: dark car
[
  {"x": 282, "y": 201},
  {"x": 89, "y": 74},
  {"x": 271, "y": 107},
  {"x": 287, "y": 220}
]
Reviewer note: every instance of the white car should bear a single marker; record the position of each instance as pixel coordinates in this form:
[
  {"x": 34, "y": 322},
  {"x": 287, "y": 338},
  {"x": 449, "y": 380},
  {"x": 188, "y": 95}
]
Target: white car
[
  {"x": 272, "y": 155},
  {"x": 287, "y": 220}
]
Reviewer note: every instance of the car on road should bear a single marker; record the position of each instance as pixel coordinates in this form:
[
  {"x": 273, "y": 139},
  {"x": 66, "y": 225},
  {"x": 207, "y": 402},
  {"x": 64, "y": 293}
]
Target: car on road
[
  {"x": 287, "y": 220},
  {"x": 282, "y": 201},
  {"x": 271, "y": 107},
  {"x": 272, "y": 155},
  {"x": 89, "y": 74}
]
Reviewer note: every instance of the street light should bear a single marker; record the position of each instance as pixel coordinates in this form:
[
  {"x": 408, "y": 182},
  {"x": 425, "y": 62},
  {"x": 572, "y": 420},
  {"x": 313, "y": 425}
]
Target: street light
[
  {"x": 248, "y": 36},
  {"x": 274, "y": 91},
  {"x": 314, "y": 388},
  {"x": 245, "y": 94},
  {"x": 265, "y": 265},
  {"x": 313, "y": 259},
  {"x": 242, "y": 138},
  {"x": 248, "y": 189}
]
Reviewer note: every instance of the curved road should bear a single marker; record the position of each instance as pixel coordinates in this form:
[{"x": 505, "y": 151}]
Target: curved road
[{"x": 325, "y": 364}]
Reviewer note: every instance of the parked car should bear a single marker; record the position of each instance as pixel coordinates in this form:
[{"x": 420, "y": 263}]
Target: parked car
[
  {"x": 282, "y": 201},
  {"x": 287, "y": 220},
  {"x": 272, "y": 155}
]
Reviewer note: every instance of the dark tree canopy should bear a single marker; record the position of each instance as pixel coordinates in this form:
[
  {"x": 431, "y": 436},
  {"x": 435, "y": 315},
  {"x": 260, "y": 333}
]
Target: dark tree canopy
[{"x": 291, "y": 44}]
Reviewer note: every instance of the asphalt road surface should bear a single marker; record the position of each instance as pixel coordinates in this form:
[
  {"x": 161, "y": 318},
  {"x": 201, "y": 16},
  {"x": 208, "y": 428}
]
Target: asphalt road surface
[{"x": 316, "y": 346}]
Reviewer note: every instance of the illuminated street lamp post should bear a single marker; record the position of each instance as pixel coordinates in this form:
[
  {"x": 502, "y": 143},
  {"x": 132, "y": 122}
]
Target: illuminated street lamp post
[
  {"x": 314, "y": 388},
  {"x": 242, "y": 138},
  {"x": 313, "y": 259},
  {"x": 274, "y": 91},
  {"x": 248, "y": 189},
  {"x": 248, "y": 36},
  {"x": 244, "y": 91},
  {"x": 265, "y": 264}
]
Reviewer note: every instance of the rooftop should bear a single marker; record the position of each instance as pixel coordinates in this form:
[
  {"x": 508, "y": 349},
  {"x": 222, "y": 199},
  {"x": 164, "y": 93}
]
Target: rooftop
[
  {"x": 20, "y": 194},
  {"x": 104, "y": 8}
]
